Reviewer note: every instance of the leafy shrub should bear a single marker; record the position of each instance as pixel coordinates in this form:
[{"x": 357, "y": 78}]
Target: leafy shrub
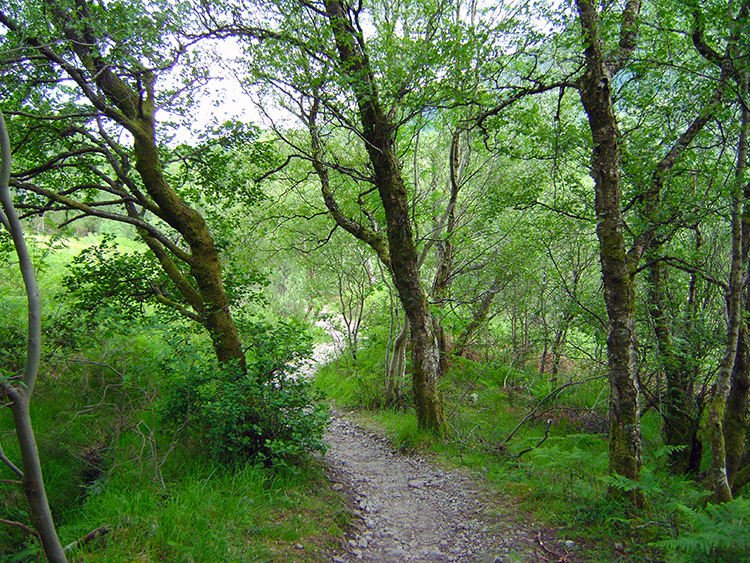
[
  {"x": 267, "y": 414},
  {"x": 719, "y": 533}
]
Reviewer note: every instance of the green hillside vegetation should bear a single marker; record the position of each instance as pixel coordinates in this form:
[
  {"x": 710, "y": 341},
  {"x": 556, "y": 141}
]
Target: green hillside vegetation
[{"x": 520, "y": 230}]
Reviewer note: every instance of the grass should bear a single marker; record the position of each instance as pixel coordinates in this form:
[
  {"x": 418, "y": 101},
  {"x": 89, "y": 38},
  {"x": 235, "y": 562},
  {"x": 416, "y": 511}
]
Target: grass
[
  {"x": 189, "y": 510},
  {"x": 208, "y": 513},
  {"x": 108, "y": 461}
]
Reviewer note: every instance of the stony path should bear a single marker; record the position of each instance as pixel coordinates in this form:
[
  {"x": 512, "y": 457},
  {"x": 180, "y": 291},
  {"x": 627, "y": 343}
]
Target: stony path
[{"x": 413, "y": 510}]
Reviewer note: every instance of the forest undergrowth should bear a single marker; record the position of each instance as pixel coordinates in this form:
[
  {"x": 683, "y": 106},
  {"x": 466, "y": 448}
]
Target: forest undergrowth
[{"x": 150, "y": 452}]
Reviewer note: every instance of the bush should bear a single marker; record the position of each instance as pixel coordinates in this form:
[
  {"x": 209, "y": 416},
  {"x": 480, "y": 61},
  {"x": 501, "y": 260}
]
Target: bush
[{"x": 268, "y": 414}]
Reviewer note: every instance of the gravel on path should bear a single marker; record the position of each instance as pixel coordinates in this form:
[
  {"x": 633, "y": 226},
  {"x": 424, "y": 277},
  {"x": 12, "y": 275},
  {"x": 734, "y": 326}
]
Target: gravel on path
[{"x": 411, "y": 509}]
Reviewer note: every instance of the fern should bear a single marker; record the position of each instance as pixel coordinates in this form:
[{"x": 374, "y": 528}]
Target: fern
[{"x": 719, "y": 533}]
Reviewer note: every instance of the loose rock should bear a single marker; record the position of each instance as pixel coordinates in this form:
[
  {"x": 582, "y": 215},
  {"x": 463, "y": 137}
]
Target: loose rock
[{"x": 440, "y": 519}]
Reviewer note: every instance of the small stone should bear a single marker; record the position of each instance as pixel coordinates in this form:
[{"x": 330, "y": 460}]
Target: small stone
[
  {"x": 443, "y": 543},
  {"x": 298, "y": 546},
  {"x": 417, "y": 483},
  {"x": 362, "y": 543},
  {"x": 570, "y": 544},
  {"x": 337, "y": 487},
  {"x": 396, "y": 552},
  {"x": 338, "y": 560},
  {"x": 352, "y": 543}
]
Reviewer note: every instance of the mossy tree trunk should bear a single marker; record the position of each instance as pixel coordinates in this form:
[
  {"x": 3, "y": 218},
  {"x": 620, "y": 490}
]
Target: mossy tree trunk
[
  {"x": 737, "y": 417},
  {"x": 378, "y": 134},
  {"x": 595, "y": 89},
  {"x": 719, "y": 411},
  {"x": 131, "y": 103}
]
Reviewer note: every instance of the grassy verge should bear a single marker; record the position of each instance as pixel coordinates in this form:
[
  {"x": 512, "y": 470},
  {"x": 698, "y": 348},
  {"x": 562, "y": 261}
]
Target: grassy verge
[{"x": 110, "y": 460}]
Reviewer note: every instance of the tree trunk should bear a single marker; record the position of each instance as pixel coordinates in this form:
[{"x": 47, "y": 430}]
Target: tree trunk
[
  {"x": 396, "y": 368},
  {"x": 595, "y": 88},
  {"x": 718, "y": 409},
  {"x": 737, "y": 417},
  {"x": 205, "y": 265},
  {"x": 680, "y": 411},
  {"x": 479, "y": 317},
  {"x": 378, "y": 134}
]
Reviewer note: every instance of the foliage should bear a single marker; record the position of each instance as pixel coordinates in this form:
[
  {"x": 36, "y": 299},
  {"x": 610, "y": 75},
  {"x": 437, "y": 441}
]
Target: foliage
[
  {"x": 268, "y": 414},
  {"x": 717, "y": 533},
  {"x": 105, "y": 276}
]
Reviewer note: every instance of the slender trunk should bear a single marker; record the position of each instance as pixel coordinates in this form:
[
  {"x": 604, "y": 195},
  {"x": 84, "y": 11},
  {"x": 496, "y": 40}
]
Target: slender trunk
[
  {"x": 737, "y": 417},
  {"x": 396, "y": 369},
  {"x": 717, "y": 411},
  {"x": 20, "y": 397},
  {"x": 479, "y": 317},
  {"x": 558, "y": 347},
  {"x": 445, "y": 248}
]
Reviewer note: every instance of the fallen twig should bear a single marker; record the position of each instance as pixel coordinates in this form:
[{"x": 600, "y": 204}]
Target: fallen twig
[
  {"x": 88, "y": 538},
  {"x": 560, "y": 558}
]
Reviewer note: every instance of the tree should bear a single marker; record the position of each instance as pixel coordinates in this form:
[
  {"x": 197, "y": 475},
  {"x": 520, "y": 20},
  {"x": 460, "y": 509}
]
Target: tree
[
  {"x": 595, "y": 88},
  {"x": 19, "y": 393},
  {"x": 114, "y": 64}
]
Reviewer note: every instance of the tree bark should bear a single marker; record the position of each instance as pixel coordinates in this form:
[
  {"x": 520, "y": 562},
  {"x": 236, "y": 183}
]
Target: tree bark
[
  {"x": 718, "y": 409},
  {"x": 379, "y": 136},
  {"x": 595, "y": 89},
  {"x": 680, "y": 410}
]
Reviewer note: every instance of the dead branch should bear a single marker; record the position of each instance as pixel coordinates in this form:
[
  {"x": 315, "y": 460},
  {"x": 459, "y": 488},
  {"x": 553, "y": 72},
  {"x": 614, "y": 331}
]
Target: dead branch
[
  {"x": 552, "y": 393},
  {"x": 88, "y": 538},
  {"x": 539, "y": 443},
  {"x": 24, "y": 527}
]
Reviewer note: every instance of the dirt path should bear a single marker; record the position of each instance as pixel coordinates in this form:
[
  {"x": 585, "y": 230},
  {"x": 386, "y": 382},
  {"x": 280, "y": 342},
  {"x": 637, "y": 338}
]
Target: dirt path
[{"x": 414, "y": 510}]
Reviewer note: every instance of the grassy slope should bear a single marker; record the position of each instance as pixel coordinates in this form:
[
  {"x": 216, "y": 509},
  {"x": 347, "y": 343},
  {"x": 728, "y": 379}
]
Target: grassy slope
[{"x": 101, "y": 443}]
